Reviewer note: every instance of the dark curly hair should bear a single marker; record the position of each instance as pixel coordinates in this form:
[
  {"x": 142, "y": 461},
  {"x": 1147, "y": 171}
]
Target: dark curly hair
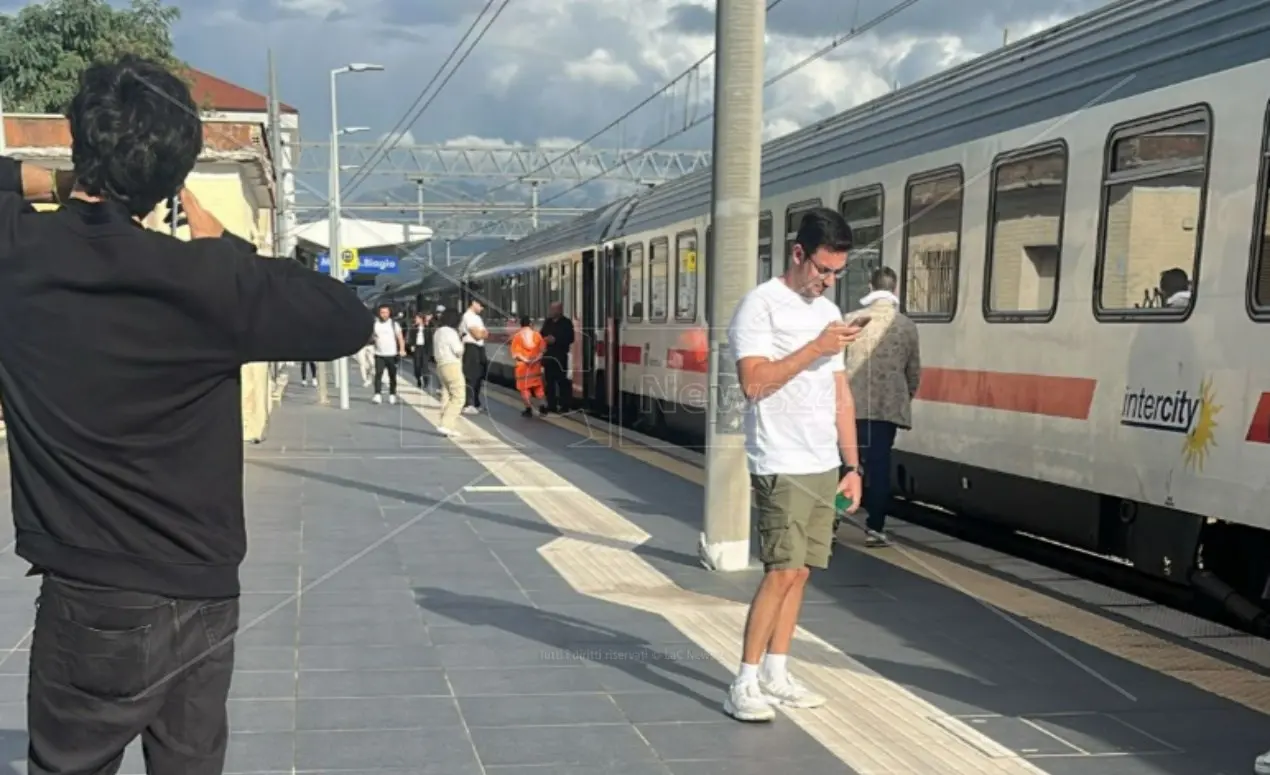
[{"x": 135, "y": 133}]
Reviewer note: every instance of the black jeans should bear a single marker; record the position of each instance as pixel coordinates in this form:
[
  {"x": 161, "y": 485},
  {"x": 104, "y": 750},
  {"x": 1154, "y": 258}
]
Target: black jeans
[
  {"x": 421, "y": 367},
  {"x": 475, "y": 364},
  {"x": 556, "y": 385},
  {"x": 389, "y": 363},
  {"x": 108, "y": 665},
  {"x": 875, "y": 439},
  {"x": 308, "y": 369}
]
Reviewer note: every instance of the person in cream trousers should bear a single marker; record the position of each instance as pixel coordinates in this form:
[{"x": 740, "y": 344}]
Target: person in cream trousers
[{"x": 447, "y": 351}]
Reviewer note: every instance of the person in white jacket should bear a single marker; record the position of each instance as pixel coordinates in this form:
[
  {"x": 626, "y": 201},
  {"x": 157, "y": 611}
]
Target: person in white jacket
[{"x": 366, "y": 362}]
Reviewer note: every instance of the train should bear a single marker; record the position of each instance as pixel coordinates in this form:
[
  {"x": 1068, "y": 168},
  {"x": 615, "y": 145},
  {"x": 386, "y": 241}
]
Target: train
[{"x": 1032, "y": 202}]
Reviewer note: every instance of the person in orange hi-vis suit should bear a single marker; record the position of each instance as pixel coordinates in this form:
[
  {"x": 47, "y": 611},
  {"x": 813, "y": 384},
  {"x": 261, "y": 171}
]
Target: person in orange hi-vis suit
[{"x": 527, "y": 348}]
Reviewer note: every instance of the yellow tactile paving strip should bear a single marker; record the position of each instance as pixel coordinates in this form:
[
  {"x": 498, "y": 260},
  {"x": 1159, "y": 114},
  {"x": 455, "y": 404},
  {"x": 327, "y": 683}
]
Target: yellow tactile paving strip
[
  {"x": 875, "y": 726},
  {"x": 1196, "y": 668}
]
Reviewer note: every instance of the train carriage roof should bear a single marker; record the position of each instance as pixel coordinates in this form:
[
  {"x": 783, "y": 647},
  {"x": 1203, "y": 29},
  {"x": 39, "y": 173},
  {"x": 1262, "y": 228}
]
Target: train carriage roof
[
  {"x": 585, "y": 231},
  {"x": 1121, "y": 50}
]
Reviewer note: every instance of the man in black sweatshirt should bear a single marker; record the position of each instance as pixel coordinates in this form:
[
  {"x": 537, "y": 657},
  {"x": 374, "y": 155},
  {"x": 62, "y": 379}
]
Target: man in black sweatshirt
[
  {"x": 125, "y": 430},
  {"x": 557, "y": 330}
]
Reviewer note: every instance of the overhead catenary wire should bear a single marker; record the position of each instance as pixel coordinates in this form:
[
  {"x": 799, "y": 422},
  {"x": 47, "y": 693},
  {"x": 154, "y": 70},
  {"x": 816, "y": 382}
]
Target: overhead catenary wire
[
  {"x": 415, "y": 111},
  {"x": 685, "y": 75},
  {"x": 837, "y": 42}
]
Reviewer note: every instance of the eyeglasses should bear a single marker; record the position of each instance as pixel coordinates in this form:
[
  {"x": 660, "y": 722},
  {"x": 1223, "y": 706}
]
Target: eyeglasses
[{"x": 825, "y": 271}]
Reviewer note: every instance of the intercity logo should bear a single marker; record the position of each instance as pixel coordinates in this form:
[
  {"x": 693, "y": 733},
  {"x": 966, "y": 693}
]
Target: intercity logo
[{"x": 1175, "y": 411}]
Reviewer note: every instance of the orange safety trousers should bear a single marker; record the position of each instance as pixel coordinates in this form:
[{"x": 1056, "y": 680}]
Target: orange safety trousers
[{"x": 528, "y": 344}]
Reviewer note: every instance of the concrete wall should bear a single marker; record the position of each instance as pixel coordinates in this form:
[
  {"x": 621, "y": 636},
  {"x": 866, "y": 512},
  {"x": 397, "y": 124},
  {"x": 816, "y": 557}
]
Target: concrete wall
[{"x": 1025, "y": 248}]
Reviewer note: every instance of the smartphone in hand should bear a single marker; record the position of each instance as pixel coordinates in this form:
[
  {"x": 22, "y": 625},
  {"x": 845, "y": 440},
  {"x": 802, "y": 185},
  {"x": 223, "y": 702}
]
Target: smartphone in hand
[
  {"x": 859, "y": 321},
  {"x": 176, "y": 217}
]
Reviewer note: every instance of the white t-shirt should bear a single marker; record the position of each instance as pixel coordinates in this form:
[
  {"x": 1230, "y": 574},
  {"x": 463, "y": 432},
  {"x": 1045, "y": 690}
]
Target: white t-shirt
[
  {"x": 471, "y": 320},
  {"x": 419, "y": 335},
  {"x": 386, "y": 338},
  {"x": 794, "y": 430}
]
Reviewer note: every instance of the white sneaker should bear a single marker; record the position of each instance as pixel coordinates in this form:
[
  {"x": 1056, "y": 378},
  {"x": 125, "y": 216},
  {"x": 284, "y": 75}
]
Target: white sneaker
[
  {"x": 470, "y": 410},
  {"x": 746, "y": 702},
  {"x": 790, "y": 693},
  {"x": 392, "y": 399},
  {"x": 366, "y": 384},
  {"x": 448, "y": 432},
  {"x": 376, "y": 399},
  {"x": 1262, "y": 765}
]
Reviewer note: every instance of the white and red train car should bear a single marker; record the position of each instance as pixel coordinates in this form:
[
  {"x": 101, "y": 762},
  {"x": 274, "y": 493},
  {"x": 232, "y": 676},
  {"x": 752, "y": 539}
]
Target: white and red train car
[{"x": 1041, "y": 206}]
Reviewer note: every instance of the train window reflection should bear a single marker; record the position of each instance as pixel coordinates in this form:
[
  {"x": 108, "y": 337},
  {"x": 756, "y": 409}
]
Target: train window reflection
[
  {"x": 765, "y": 247},
  {"x": 686, "y": 277},
  {"x": 635, "y": 282},
  {"x": 658, "y": 279},
  {"x": 1259, "y": 289},
  {"x": 1025, "y": 240},
  {"x": 932, "y": 245},
  {"x": 862, "y": 210},
  {"x": 1152, "y": 216}
]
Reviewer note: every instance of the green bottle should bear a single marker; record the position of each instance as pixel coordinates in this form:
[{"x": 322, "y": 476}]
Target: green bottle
[{"x": 842, "y": 503}]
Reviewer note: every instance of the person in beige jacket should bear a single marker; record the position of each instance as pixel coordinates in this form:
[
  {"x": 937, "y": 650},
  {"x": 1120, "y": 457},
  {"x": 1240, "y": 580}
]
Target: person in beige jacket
[{"x": 884, "y": 367}]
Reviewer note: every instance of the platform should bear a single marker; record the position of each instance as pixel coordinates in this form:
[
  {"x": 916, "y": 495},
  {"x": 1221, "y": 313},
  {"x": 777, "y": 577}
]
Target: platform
[{"x": 527, "y": 599}]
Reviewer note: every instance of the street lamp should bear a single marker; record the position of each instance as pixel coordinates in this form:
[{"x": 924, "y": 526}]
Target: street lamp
[{"x": 333, "y": 246}]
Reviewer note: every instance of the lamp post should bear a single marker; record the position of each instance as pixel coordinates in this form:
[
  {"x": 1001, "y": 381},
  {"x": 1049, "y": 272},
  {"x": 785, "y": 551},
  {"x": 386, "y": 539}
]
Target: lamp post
[{"x": 333, "y": 250}]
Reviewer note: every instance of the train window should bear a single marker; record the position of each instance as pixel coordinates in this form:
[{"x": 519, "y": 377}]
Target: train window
[
  {"x": 764, "y": 247},
  {"x": 686, "y": 277},
  {"x": 658, "y": 279},
  {"x": 862, "y": 210},
  {"x": 566, "y": 289},
  {"x": 794, "y": 219},
  {"x": 1259, "y": 280},
  {"x": 1025, "y": 233},
  {"x": 932, "y": 245},
  {"x": 553, "y": 275},
  {"x": 1152, "y": 217},
  {"x": 634, "y": 282}
]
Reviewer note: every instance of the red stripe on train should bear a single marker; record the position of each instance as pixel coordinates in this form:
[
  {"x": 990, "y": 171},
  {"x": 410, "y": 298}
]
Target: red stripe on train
[
  {"x": 1259, "y": 428},
  {"x": 1042, "y": 394}
]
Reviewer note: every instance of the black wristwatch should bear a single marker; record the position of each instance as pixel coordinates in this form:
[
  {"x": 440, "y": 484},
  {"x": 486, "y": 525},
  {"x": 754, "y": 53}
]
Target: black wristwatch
[{"x": 850, "y": 470}]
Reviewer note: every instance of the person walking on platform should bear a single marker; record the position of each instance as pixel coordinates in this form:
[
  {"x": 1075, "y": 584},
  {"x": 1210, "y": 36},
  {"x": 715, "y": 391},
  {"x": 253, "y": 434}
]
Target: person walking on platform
[
  {"x": 557, "y": 330},
  {"x": 366, "y": 361},
  {"x": 420, "y": 352},
  {"x": 788, "y": 339},
  {"x": 390, "y": 347},
  {"x": 308, "y": 369},
  {"x": 128, "y": 479},
  {"x": 447, "y": 351},
  {"x": 527, "y": 349},
  {"x": 884, "y": 368},
  {"x": 473, "y": 333}
]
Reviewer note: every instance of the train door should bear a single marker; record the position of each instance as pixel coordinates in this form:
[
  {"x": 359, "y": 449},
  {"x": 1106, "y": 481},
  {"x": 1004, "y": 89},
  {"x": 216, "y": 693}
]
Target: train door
[
  {"x": 590, "y": 331},
  {"x": 611, "y": 304}
]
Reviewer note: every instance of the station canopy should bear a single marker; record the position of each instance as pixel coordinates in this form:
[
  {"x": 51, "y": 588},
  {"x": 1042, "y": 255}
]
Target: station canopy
[{"x": 368, "y": 249}]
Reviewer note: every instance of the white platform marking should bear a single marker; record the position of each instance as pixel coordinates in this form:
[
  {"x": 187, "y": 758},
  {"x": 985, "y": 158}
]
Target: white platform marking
[{"x": 873, "y": 725}]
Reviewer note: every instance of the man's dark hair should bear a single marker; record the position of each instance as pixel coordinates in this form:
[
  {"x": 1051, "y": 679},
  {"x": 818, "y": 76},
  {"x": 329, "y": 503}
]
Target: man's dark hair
[
  {"x": 450, "y": 317},
  {"x": 883, "y": 279},
  {"x": 823, "y": 228},
  {"x": 1174, "y": 281},
  {"x": 524, "y": 321},
  {"x": 384, "y": 306},
  {"x": 135, "y": 133}
]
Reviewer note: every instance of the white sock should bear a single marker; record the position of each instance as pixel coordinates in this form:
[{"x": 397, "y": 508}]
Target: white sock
[
  {"x": 774, "y": 666},
  {"x": 748, "y": 674}
]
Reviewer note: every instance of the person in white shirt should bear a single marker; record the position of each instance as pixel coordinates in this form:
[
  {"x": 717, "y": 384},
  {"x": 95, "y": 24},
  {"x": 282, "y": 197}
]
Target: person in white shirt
[
  {"x": 447, "y": 351},
  {"x": 366, "y": 361},
  {"x": 473, "y": 333},
  {"x": 788, "y": 340},
  {"x": 390, "y": 345}
]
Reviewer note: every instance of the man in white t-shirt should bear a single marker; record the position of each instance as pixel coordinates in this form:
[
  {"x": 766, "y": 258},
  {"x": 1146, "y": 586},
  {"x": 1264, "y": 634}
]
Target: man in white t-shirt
[
  {"x": 390, "y": 345},
  {"x": 788, "y": 339},
  {"x": 472, "y": 333}
]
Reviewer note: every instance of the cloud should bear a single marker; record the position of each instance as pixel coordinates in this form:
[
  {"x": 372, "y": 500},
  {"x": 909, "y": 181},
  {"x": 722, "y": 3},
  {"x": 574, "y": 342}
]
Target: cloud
[{"x": 565, "y": 68}]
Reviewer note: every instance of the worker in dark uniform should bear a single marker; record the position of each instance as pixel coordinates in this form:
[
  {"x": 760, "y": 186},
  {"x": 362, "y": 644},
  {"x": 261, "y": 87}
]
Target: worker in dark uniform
[{"x": 557, "y": 330}]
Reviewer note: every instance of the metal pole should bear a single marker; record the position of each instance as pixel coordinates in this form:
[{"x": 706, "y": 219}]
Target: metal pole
[
  {"x": 419, "y": 183},
  {"x": 341, "y": 366},
  {"x": 733, "y": 267},
  {"x": 4, "y": 139},
  {"x": 447, "y": 253},
  {"x": 533, "y": 205}
]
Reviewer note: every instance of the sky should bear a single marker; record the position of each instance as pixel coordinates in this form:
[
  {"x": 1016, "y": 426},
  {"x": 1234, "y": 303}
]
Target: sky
[{"x": 555, "y": 71}]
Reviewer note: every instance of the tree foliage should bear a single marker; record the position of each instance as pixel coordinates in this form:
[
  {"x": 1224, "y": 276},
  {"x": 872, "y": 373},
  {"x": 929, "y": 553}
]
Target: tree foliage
[{"x": 45, "y": 46}]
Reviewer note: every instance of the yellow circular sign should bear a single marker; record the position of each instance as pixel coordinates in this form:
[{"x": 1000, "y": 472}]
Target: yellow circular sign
[{"x": 349, "y": 259}]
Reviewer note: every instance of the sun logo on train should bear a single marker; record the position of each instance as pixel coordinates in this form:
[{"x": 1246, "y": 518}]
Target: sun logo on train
[{"x": 1202, "y": 436}]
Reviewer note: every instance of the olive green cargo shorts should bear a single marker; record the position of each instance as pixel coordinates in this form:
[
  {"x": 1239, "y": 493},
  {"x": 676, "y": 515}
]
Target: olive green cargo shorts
[{"x": 795, "y": 518}]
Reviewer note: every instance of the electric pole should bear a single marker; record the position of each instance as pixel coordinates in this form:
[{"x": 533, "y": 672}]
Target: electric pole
[{"x": 733, "y": 269}]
